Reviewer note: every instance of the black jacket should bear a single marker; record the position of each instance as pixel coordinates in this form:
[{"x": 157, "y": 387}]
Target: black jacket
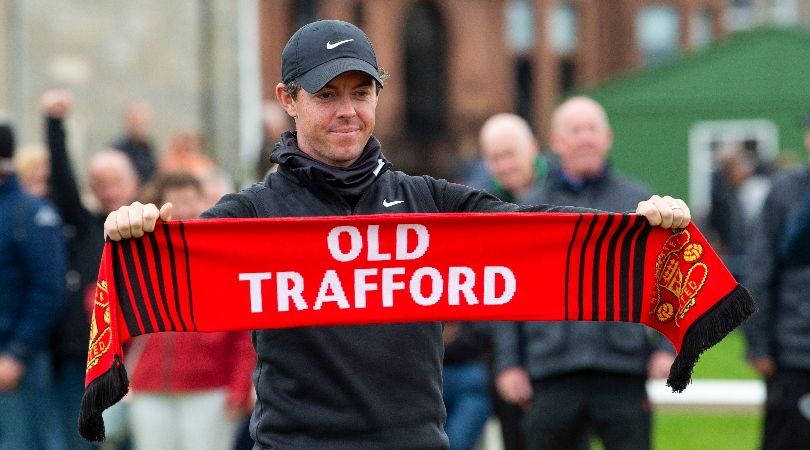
[
  {"x": 549, "y": 349},
  {"x": 781, "y": 327},
  {"x": 84, "y": 231},
  {"x": 351, "y": 387}
]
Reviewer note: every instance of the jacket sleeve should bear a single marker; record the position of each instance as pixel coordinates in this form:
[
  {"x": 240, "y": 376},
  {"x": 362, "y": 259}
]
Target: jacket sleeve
[
  {"x": 795, "y": 246},
  {"x": 506, "y": 345},
  {"x": 761, "y": 262},
  {"x": 236, "y": 205},
  {"x": 452, "y": 197},
  {"x": 42, "y": 255},
  {"x": 64, "y": 189}
]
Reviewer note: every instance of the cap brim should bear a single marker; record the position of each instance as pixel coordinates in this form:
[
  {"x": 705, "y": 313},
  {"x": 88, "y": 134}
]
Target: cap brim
[{"x": 315, "y": 79}]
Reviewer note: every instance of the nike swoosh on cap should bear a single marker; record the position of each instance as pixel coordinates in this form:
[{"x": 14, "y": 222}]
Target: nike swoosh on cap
[{"x": 330, "y": 46}]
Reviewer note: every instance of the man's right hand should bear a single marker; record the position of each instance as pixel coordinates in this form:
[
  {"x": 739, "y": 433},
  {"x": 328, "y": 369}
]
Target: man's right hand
[
  {"x": 514, "y": 386},
  {"x": 135, "y": 220},
  {"x": 764, "y": 365},
  {"x": 56, "y": 103}
]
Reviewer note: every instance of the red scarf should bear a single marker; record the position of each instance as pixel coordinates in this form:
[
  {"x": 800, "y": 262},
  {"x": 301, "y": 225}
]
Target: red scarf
[{"x": 231, "y": 274}]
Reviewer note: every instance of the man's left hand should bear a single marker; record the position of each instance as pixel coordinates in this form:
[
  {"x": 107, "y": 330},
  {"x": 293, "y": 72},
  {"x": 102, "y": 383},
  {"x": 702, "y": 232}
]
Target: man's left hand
[
  {"x": 665, "y": 212},
  {"x": 659, "y": 364},
  {"x": 11, "y": 372}
]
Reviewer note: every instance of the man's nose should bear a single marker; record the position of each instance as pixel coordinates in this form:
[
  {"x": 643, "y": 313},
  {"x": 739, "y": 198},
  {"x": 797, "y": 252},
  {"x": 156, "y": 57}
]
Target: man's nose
[{"x": 346, "y": 106}]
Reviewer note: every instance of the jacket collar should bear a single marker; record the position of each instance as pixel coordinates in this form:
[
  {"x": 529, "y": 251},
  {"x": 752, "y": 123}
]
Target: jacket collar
[{"x": 352, "y": 180}]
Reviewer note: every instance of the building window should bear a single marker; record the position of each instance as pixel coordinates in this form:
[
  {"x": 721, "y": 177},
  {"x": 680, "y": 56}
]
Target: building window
[
  {"x": 304, "y": 12},
  {"x": 563, "y": 29},
  {"x": 785, "y": 12},
  {"x": 563, "y": 35},
  {"x": 740, "y": 14},
  {"x": 524, "y": 100},
  {"x": 520, "y": 26},
  {"x": 657, "y": 33},
  {"x": 700, "y": 29},
  {"x": 359, "y": 14},
  {"x": 425, "y": 72}
]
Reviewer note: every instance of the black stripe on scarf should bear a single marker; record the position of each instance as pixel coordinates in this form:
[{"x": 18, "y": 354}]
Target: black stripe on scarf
[{"x": 568, "y": 264}]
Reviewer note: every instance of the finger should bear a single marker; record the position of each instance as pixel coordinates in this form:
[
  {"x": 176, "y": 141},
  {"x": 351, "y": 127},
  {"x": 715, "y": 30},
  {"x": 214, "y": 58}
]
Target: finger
[
  {"x": 647, "y": 209},
  {"x": 685, "y": 214},
  {"x": 166, "y": 212},
  {"x": 664, "y": 205},
  {"x": 150, "y": 216},
  {"x": 122, "y": 222},
  {"x": 111, "y": 227},
  {"x": 136, "y": 219},
  {"x": 526, "y": 392}
]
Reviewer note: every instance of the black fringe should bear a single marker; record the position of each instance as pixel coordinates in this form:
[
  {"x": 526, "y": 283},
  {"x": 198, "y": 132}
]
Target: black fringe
[
  {"x": 103, "y": 392},
  {"x": 726, "y": 315}
]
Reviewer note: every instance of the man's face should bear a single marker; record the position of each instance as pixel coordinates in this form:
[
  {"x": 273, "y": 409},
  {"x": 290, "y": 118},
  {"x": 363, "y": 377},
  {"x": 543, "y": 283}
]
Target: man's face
[
  {"x": 581, "y": 137},
  {"x": 335, "y": 123},
  {"x": 187, "y": 202},
  {"x": 113, "y": 182},
  {"x": 510, "y": 159}
]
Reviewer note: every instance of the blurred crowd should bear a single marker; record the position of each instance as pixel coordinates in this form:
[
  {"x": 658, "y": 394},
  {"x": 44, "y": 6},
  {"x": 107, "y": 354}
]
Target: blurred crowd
[{"x": 550, "y": 385}]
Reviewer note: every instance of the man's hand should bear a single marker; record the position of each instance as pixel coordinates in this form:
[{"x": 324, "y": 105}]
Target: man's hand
[
  {"x": 135, "y": 220},
  {"x": 11, "y": 372},
  {"x": 57, "y": 103},
  {"x": 659, "y": 364},
  {"x": 764, "y": 366},
  {"x": 514, "y": 386},
  {"x": 665, "y": 212}
]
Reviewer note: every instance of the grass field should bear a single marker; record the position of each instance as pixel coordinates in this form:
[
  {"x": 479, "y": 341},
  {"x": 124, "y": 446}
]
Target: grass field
[
  {"x": 716, "y": 431},
  {"x": 687, "y": 431},
  {"x": 726, "y": 360}
]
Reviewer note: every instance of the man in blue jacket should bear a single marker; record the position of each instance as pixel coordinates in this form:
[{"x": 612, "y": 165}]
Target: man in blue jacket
[{"x": 32, "y": 280}]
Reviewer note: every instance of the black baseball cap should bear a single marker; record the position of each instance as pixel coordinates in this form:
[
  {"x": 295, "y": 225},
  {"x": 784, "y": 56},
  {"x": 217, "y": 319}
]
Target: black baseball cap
[{"x": 320, "y": 51}]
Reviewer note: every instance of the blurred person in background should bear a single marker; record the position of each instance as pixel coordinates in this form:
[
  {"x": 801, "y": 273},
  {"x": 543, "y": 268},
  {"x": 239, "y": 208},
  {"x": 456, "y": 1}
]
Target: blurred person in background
[
  {"x": 466, "y": 381},
  {"x": 779, "y": 333},
  {"x": 511, "y": 155},
  {"x": 32, "y": 293},
  {"x": 274, "y": 122},
  {"x": 738, "y": 192},
  {"x": 577, "y": 378},
  {"x": 184, "y": 152},
  {"x": 113, "y": 182},
  {"x": 136, "y": 141},
  {"x": 188, "y": 390},
  {"x": 33, "y": 166},
  {"x": 515, "y": 171},
  {"x": 216, "y": 182}
]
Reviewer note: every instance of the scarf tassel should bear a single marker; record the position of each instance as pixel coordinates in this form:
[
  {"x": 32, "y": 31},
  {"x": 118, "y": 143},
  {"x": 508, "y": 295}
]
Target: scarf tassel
[
  {"x": 100, "y": 394},
  {"x": 726, "y": 315}
]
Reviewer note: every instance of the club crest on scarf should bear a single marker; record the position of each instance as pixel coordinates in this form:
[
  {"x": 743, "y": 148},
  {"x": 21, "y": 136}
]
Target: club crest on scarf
[
  {"x": 100, "y": 332},
  {"x": 679, "y": 276}
]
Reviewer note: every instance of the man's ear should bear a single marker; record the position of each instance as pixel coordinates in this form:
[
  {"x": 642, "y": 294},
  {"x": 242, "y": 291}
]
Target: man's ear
[{"x": 286, "y": 101}]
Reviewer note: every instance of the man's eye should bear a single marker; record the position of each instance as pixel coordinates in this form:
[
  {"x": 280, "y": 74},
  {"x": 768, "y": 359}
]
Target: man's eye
[{"x": 325, "y": 95}]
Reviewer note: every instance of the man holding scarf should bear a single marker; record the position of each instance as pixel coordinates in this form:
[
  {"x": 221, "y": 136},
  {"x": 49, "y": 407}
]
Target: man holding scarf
[{"x": 350, "y": 387}]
